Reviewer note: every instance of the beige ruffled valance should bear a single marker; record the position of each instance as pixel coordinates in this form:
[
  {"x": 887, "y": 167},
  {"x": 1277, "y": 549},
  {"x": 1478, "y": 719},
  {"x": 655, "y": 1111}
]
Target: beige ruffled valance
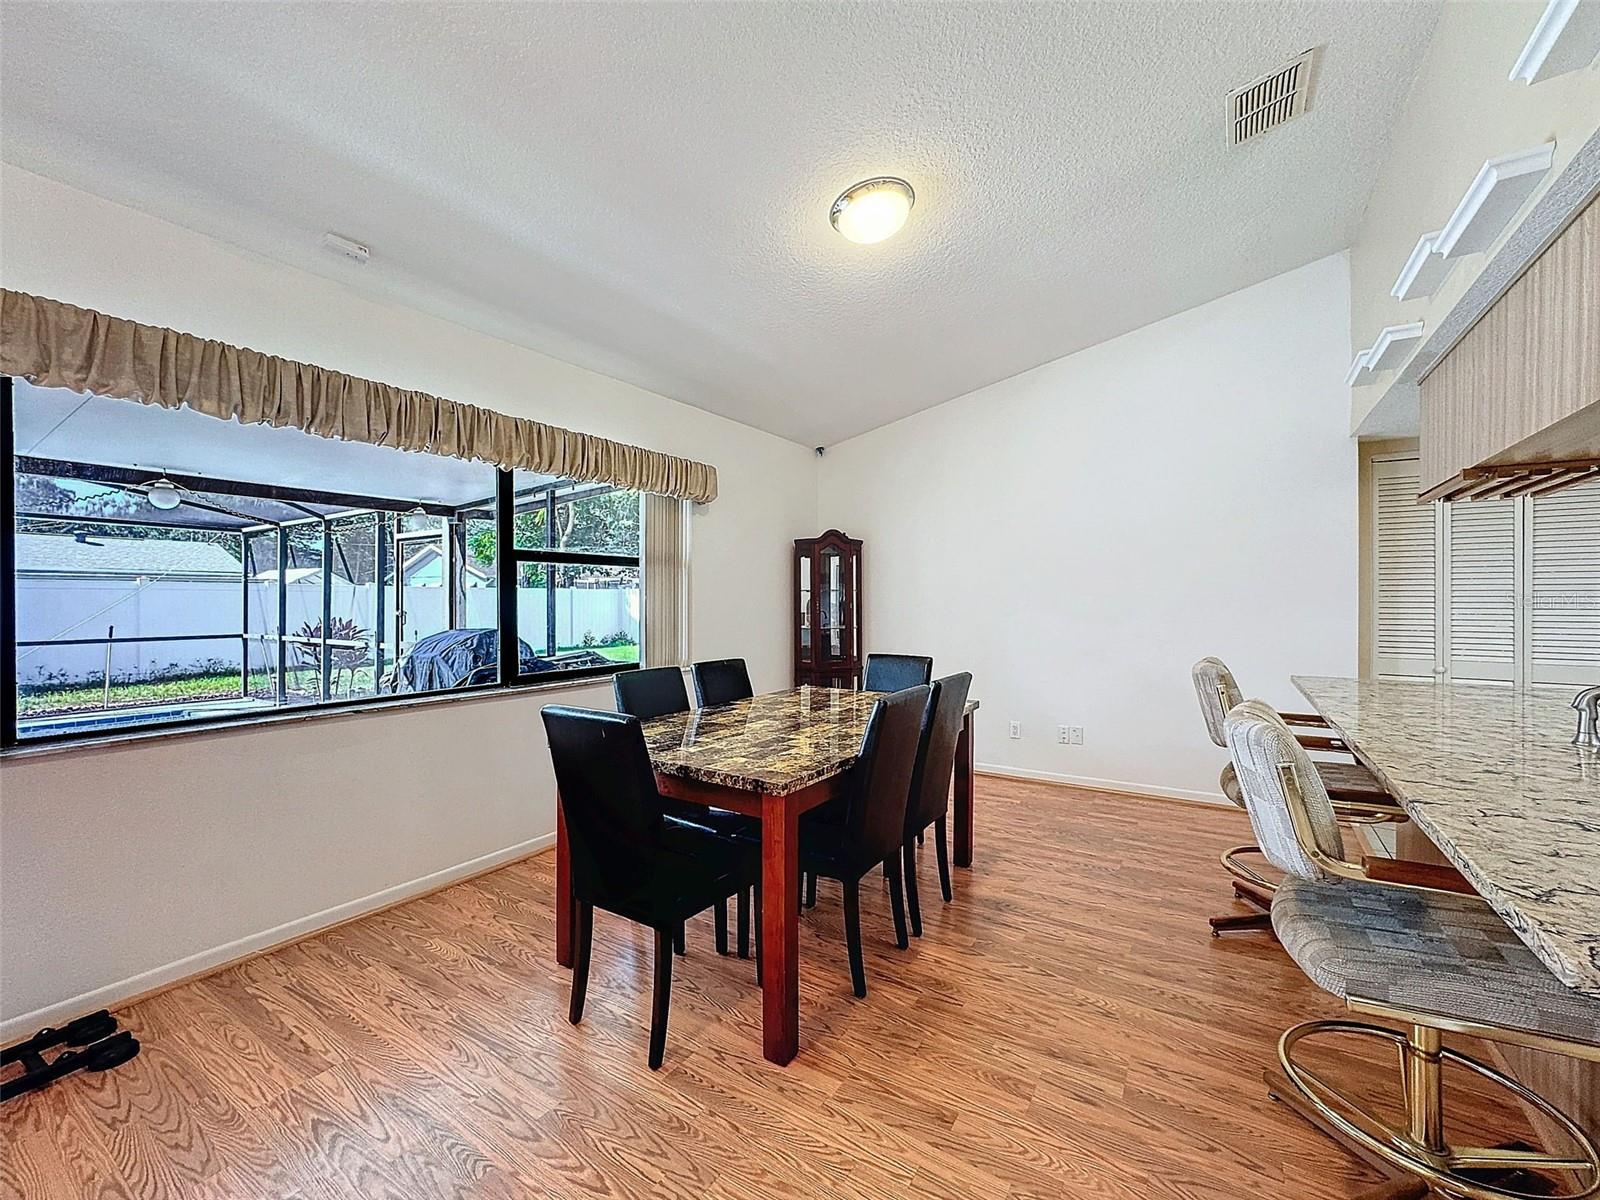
[{"x": 59, "y": 345}]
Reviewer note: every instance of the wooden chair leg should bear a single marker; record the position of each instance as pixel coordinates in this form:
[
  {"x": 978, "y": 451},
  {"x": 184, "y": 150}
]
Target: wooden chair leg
[
  {"x": 680, "y": 942},
  {"x": 897, "y": 901},
  {"x": 1252, "y": 895},
  {"x": 721, "y": 918},
  {"x": 1238, "y": 923},
  {"x": 920, "y": 832},
  {"x": 941, "y": 847},
  {"x": 583, "y": 935},
  {"x": 811, "y": 889},
  {"x": 908, "y": 865},
  {"x": 663, "y": 995},
  {"x": 852, "y": 936},
  {"x": 744, "y": 923}
]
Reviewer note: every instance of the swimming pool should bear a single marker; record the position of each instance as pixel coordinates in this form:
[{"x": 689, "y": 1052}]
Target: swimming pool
[{"x": 111, "y": 720}]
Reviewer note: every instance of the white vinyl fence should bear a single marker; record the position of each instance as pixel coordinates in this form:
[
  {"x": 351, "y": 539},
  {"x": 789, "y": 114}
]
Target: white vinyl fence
[{"x": 58, "y": 609}]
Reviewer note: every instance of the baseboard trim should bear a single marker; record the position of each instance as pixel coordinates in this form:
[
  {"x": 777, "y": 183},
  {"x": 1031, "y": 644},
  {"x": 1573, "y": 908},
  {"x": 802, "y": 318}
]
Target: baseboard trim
[
  {"x": 220, "y": 958},
  {"x": 1120, "y": 786}
]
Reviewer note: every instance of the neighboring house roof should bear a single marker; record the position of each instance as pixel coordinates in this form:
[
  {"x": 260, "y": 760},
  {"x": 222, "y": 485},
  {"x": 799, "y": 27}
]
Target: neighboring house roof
[
  {"x": 296, "y": 574},
  {"x": 56, "y": 554},
  {"x": 427, "y": 566}
]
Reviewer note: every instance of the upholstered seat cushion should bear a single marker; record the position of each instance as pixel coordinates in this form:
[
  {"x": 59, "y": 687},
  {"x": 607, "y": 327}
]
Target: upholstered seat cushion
[
  {"x": 690, "y": 870},
  {"x": 1431, "y": 951},
  {"x": 716, "y": 820}
]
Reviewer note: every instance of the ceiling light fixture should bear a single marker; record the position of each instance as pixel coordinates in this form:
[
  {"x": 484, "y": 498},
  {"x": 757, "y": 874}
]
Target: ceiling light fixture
[
  {"x": 163, "y": 494},
  {"x": 873, "y": 209}
]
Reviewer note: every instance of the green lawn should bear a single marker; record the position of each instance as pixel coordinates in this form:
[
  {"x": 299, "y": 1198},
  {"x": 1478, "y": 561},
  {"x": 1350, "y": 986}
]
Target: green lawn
[
  {"x": 43, "y": 701},
  {"x": 37, "y": 701}
]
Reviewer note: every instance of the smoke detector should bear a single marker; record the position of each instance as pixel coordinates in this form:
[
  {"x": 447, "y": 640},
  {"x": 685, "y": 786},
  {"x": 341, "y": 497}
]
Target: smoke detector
[
  {"x": 356, "y": 252},
  {"x": 1278, "y": 96}
]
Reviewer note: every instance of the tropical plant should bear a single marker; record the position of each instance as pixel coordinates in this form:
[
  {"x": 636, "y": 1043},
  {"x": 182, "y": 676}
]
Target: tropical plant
[{"x": 348, "y": 654}]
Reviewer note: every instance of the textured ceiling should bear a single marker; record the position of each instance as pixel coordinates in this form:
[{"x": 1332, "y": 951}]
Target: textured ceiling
[{"x": 643, "y": 189}]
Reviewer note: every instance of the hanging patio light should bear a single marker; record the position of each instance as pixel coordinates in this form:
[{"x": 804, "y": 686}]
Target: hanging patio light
[{"x": 163, "y": 494}]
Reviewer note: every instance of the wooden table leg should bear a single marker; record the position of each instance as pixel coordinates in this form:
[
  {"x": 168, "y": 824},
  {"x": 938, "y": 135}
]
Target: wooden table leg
[
  {"x": 964, "y": 793},
  {"x": 564, "y": 906},
  {"x": 780, "y": 930}
]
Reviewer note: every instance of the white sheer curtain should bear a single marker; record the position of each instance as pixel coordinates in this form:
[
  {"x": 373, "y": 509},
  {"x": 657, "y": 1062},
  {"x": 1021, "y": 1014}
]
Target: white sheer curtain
[{"x": 666, "y": 581}]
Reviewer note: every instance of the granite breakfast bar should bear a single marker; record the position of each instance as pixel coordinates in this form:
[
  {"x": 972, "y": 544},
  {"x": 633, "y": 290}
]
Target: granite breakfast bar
[{"x": 1490, "y": 776}]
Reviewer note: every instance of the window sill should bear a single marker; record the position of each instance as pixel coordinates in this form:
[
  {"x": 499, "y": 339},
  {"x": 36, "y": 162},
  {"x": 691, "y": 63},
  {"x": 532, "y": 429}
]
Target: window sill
[{"x": 295, "y": 716}]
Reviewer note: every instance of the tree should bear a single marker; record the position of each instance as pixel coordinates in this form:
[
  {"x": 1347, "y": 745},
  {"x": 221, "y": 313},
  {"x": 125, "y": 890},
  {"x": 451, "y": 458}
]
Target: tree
[
  {"x": 607, "y": 522},
  {"x": 41, "y": 494},
  {"x": 73, "y": 508}
]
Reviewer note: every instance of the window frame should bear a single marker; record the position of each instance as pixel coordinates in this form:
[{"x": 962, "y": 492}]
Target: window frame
[{"x": 508, "y": 559}]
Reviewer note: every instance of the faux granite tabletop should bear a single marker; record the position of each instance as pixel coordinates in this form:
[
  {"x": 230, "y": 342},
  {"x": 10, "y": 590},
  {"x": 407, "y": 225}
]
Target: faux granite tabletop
[
  {"x": 775, "y": 743},
  {"x": 1489, "y": 774}
]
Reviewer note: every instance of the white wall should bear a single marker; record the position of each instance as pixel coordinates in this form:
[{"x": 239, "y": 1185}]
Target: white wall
[
  {"x": 1078, "y": 535},
  {"x": 123, "y": 867}
]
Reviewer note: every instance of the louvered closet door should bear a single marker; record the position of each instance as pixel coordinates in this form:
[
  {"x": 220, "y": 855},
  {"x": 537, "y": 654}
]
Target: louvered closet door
[
  {"x": 1564, "y": 565},
  {"x": 1405, "y": 571},
  {"x": 1481, "y": 589}
]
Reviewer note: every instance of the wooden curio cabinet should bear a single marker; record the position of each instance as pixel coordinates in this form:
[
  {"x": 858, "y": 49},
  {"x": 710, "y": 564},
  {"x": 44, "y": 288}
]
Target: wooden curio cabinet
[{"x": 827, "y": 611}]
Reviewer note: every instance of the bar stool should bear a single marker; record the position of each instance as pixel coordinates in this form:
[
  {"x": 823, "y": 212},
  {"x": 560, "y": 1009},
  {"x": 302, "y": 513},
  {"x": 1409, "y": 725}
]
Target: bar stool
[
  {"x": 1357, "y": 794},
  {"x": 1434, "y": 962}
]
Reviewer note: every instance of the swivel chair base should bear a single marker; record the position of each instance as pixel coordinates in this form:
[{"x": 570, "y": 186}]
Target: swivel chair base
[
  {"x": 1417, "y": 1158},
  {"x": 1250, "y": 886}
]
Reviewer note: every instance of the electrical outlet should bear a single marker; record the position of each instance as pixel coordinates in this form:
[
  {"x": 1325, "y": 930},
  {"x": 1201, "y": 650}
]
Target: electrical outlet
[
  {"x": 1063, "y": 737},
  {"x": 1075, "y": 735},
  {"x": 1016, "y": 729}
]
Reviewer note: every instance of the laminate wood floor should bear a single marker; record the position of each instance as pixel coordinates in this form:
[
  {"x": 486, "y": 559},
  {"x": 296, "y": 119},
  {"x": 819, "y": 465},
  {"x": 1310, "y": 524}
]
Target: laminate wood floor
[{"x": 1067, "y": 1028}]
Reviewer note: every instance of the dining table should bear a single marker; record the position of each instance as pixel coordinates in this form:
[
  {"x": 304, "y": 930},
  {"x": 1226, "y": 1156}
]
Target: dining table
[{"x": 773, "y": 757}]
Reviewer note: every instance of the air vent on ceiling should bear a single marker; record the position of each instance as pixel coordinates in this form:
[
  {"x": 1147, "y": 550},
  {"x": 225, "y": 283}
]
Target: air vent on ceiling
[{"x": 1269, "y": 101}]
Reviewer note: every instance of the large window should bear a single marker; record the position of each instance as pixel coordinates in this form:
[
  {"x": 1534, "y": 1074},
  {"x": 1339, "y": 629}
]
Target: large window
[
  {"x": 1504, "y": 590},
  {"x": 166, "y": 568},
  {"x": 575, "y": 548}
]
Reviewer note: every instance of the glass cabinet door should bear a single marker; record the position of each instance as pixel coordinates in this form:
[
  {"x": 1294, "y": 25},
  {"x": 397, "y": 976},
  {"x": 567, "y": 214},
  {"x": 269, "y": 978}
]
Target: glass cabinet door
[
  {"x": 835, "y": 641},
  {"x": 803, "y": 587}
]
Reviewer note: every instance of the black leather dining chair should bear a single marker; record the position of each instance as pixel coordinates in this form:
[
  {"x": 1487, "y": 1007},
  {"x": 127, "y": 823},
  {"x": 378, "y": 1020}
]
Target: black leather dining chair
[
  {"x": 651, "y": 692},
  {"x": 659, "y": 692},
  {"x": 930, "y": 789},
  {"x": 721, "y": 681},
  {"x": 895, "y": 672},
  {"x": 891, "y": 672},
  {"x": 872, "y": 825},
  {"x": 627, "y": 857}
]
